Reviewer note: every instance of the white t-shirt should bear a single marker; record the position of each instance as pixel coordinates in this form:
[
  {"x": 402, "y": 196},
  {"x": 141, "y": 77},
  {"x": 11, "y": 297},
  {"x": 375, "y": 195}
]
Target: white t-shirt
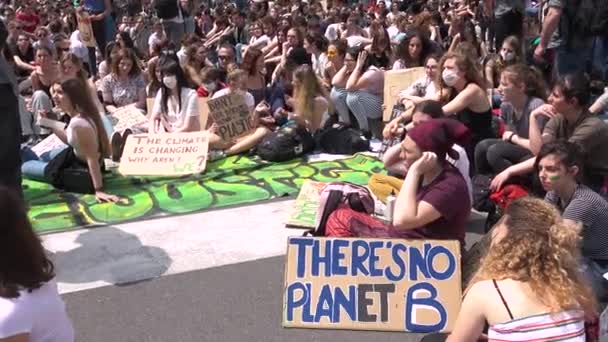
[
  {"x": 462, "y": 164},
  {"x": 41, "y": 314},
  {"x": 332, "y": 32},
  {"x": 260, "y": 42},
  {"x": 249, "y": 100},
  {"x": 176, "y": 115},
  {"x": 155, "y": 39}
]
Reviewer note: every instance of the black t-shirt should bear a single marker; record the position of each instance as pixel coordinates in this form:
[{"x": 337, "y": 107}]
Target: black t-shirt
[{"x": 27, "y": 57}]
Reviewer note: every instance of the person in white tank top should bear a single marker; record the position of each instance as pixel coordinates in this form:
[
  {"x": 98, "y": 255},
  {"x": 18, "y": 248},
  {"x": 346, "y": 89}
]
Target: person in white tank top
[
  {"x": 30, "y": 306},
  {"x": 529, "y": 286}
]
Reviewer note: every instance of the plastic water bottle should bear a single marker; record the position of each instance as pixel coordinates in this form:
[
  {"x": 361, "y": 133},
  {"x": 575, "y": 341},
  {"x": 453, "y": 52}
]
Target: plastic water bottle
[{"x": 390, "y": 206}]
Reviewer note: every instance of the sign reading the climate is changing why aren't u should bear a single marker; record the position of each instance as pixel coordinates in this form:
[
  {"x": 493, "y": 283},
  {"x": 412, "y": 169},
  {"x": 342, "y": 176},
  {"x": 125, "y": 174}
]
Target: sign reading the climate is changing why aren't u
[
  {"x": 165, "y": 154},
  {"x": 372, "y": 284}
]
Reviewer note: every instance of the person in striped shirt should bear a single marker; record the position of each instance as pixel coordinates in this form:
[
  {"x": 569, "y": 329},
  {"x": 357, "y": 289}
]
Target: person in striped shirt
[
  {"x": 528, "y": 286},
  {"x": 559, "y": 170}
]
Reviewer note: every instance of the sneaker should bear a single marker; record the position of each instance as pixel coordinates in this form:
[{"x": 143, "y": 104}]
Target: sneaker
[
  {"x": 215, "y": 155},
  {"x": 116, "y": 142}
]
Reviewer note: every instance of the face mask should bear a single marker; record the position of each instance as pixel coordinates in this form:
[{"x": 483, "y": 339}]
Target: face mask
[
  {"x": 170, "y": 82},
  {"x": 507, "y": 56},
  {"x": 210, "y": 86},
  {"x": 449, "y": 77}
]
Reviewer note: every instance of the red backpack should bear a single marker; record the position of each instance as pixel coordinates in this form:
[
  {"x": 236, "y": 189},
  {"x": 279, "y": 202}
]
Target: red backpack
[{"x": 338, "y": 195}]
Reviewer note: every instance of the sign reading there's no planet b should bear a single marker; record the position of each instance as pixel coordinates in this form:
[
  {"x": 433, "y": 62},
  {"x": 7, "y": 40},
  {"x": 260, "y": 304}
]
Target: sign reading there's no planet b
[
  {"x": 231, "y": 115},
  {"x": 168, "y": 154},
  {"x": 372, "y": 284}
]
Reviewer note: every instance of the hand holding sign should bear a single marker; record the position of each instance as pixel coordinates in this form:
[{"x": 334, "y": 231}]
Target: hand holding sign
[{"x": 231, "y": 115}]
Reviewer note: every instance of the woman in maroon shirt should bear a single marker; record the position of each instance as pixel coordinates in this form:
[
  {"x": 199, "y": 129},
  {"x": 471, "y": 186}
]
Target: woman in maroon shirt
[{"x": 433, "y": 202}]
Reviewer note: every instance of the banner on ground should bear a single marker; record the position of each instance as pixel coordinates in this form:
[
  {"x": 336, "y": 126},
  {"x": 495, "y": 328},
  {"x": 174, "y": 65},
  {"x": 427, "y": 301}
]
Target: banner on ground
[
  {"x": 127, "y": 117},
  {"x": 372, "y": 284},
  {"x": 48, "y": 144},
  {"x": 396, "y": 81},
  {"x": 304, "y": 212},
  {"x": 231, "y": 115},
  {"x": 86, "y": 30},
  {"x": 165, "y": 154}
]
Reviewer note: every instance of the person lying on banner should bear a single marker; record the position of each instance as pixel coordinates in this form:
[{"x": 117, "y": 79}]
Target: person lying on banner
[
  {"x": 433, "y": 202},
  {"x": 528, "y": 286},
  {"x": 569, "y": 119},
  {"x": 77, "y": 167},
  {"x": 381, "y": 185},
  {"x": 559, "y": 165}
]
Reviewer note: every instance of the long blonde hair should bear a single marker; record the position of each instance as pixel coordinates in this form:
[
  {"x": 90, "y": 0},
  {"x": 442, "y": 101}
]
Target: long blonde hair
[
  {"x": 306, "y": 88},
  {"x": 541, "y": 250}
]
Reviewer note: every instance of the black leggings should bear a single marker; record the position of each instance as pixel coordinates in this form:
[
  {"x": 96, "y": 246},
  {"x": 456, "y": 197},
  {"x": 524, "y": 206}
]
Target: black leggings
[
  {"x": 99, "y": 32},
  {"x": 492, "y": 156}
]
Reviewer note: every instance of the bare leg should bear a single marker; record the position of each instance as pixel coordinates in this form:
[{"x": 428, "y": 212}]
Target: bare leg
[{"x": 249, "y": 141}]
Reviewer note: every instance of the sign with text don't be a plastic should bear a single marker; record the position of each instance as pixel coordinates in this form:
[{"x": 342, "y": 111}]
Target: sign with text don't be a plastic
[{"x": 372, "y": 284}]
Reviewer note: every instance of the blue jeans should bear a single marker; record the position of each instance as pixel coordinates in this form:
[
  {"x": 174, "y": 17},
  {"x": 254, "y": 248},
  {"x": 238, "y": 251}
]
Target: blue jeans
[
  {"x": 594, "y": 273},
  {"x": 600, "y": 56},
  {"x": 33, "y": 166},
  {"x": 574, "y": 59}
]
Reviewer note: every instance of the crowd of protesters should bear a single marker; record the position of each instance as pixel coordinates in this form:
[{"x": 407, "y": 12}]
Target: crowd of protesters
[{"x": 512, "y": 97}]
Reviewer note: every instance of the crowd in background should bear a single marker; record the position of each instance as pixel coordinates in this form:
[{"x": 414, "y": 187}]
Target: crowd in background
[{"x": 512, "y": 102}]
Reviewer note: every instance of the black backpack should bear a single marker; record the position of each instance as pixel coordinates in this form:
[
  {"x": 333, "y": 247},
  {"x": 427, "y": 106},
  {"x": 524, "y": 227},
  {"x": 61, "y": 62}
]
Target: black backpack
[
  {"x": 340, "y": 138},
  {"x": 288, "y": 142},
  {"x": 166, "y": 9}
]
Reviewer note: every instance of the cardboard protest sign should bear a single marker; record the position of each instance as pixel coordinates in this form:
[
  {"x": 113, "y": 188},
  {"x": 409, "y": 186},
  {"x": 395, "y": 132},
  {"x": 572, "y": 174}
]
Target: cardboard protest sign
[
  {"x": 231, "y": 115},
  {"x": 48, "y": 144},
  {"x": 149, "y": 105},
  {"x": 127, "y": 117},
  {"x": 396, "y": 81},
  {"x": 372, "y": 284},
  {"x": 203, "y": 109},
  {"x": 86, "y": 30},
  {"x": 165, "y": 154},
  {"x": 304, "y": 212}
]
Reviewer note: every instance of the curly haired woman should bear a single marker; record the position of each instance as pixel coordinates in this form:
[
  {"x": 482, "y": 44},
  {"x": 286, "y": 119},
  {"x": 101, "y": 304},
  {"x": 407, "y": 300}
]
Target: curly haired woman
[{"x": 528, "y": 287}]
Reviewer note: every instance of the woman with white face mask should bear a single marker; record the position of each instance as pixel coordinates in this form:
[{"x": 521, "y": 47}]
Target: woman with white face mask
[
  {"x": 175, "y": 107},
  {"x": 510, "y": 53},
  {"x": 462, "y": 87}
]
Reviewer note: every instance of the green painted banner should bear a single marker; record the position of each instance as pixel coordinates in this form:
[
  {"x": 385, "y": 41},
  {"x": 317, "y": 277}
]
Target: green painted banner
[{"x": 236, "y": 180}]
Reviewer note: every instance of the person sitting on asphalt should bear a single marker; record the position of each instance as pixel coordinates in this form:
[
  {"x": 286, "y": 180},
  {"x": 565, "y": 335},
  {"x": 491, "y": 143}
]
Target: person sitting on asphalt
[
  {"x": 528, "y": 286},
  {"x": 559, "y": 167}
]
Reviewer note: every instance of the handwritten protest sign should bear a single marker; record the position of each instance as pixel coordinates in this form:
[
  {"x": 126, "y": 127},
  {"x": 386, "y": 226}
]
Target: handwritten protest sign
[
  {"x": 396, "y": 81},
  {"x": 127, "y": 117},
  {"x": 48, "y": 144},
  {"x": 86, "y": 30},
  {"x": 304, "y": 211},
  {"x": 372, "y": 284},
  {"x": 203, "y": 108},
  {"x": 165, "y": 154},
  {"x": 149, "y": 105},
  {"x": 231, "y": 115}
]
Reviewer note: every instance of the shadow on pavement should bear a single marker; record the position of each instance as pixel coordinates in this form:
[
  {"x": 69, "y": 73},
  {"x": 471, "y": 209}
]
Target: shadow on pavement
[{"x": 111, "y": 255}]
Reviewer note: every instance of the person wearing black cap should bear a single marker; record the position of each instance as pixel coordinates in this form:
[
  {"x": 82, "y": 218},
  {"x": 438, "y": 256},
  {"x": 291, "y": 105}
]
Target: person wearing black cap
[{"x": 10, "y": 129}]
